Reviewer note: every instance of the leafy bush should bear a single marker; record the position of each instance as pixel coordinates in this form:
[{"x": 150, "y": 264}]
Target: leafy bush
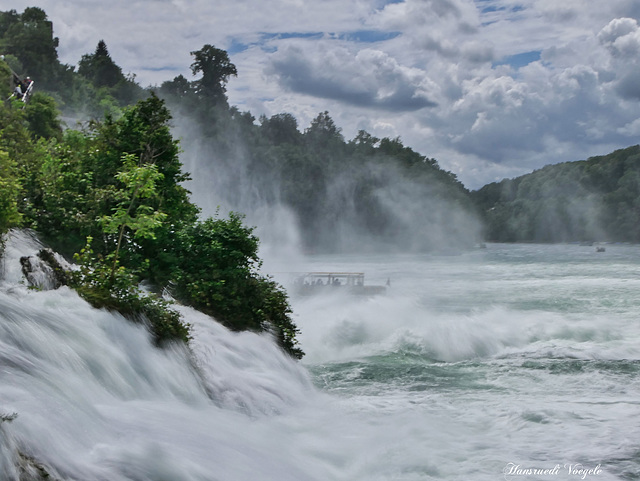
[
  {"x": 217, "y": 272},
  {"x": 9, "y": 192},
  {"x": 115, "y": 289}
]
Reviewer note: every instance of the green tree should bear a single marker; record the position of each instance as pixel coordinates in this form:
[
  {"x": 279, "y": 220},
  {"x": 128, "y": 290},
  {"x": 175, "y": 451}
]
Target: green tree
[
  {"x": 281, "y": 129},
  {"x": 217, "y": 273},
  {"x": 139, "y": 184},
  {"x": 144, "y": 131},
  {"x": 43, "y": 116},
  {"x": 29, "y": 37},
  {"x": 10, "y": 189},
  {"x": 365, "y": 142},
  {"x": 62, "y": 203},
  {"x": 216, "y": 68},
  {"x": 179, "y": 88},
  {"x": 323, "y": 133},
  {"x": 99, "y": 68},
  {"x": 106, "y": 76}
]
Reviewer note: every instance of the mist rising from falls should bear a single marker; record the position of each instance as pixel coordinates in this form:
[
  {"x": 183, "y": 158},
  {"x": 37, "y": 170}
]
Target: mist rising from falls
[
  {"x": 221, "y": 185},
  {"x": 364, "y": 205}
]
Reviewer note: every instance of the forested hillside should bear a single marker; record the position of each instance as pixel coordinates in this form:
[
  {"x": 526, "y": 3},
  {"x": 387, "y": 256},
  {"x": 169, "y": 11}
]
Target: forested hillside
[
  {"x": 112, "y": 194},
  {"x": 591, "y": 200},
  {"x": 345, "y": 195}
]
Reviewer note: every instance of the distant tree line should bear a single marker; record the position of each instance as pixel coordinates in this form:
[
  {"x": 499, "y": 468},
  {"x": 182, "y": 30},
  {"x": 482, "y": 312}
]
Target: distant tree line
[
  {"x": 346, "y": 195},
  {"x": 591, "y": 200}
]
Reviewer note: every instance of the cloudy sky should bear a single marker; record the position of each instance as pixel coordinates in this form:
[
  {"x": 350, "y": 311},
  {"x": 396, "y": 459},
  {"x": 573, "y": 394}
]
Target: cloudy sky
[{"x": 490, "y": 88}]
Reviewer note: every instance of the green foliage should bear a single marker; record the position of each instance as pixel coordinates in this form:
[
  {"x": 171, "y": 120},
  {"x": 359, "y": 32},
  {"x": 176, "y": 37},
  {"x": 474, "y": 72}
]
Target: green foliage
[
  {"x": 61, "y": 201},
  {"x": 88, "y": 180},
  {"x": 203, "y": 100},
  {"x": 29, "y": 37},
  {"x": 99, "y": 86},
  {"x": 115, "y": 289},
  {"x": 9, "y": 193},
  {"x": 143, "y": 131},
  {"x": 43, "y": 116},
  {"x": 15, "y": 138},
  {"x": 106, "y": 76},
  {"x": 20, "y": 160},
  {"x": 592, "y": 200},
  {"x": 216, "y": 68},
  {"x": 99, "y": 68},
  {"x": 178, "y": 88},
  {"x": 6, "y": 82},
  {"x": 323, "y": 132},
  {"x": 119, "y": 182},
  {"x": 139, "y": 184},
  {"x": 217, "y": 273}
]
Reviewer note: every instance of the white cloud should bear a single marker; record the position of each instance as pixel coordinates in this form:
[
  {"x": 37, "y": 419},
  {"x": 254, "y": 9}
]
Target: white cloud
[
  {"x": 622, "y": 31},
  {"x": 366, "y": 78},
  {"x": 631, "y": 129}
]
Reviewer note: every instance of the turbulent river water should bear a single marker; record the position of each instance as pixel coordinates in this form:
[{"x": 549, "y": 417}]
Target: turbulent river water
[{"x": 510, "y": 362}]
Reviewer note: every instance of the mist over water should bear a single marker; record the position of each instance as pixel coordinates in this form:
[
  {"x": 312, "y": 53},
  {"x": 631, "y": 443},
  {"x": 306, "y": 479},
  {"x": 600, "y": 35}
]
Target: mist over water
[
  {"x": 362, "y": 207},
  {"x": 220, "y": 184}
]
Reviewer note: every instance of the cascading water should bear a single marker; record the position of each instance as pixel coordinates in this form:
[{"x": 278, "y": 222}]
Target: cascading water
[
  {"x": 95, "y": 400},
  {"x": 480, "y": 366}
]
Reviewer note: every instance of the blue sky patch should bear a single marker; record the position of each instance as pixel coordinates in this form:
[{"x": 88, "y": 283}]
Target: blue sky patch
[
  {"x": 238, "y": 46},
  {"x": 286, "y": 35},
  {"x": 493, "y": 6},
  {"x": 491, "y": 9},
  {"x": 520, "y": 59},
  {"x": 165, "y": 68},
  {"x": 364, "y": 36},
  {"x": 368, "y": 36}
]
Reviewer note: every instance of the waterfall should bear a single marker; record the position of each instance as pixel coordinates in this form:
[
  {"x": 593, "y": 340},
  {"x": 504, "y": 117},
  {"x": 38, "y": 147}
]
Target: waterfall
[{"x": 85, "y": 394}]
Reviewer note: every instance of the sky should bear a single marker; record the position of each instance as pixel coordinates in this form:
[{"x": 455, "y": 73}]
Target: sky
[{"x": 491, "y": 89}]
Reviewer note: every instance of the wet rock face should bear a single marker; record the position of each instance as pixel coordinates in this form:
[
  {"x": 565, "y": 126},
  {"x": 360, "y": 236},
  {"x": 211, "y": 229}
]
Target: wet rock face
[
  {"x": 31, "y": 470},
  {"x": 46, "y": 270},
  {"x": 15, "y": 465}
]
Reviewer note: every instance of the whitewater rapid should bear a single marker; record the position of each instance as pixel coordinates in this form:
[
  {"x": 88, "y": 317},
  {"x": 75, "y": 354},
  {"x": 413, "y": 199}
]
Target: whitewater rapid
[
  {"x": 518, "y": 356},
  {"x": 95, "y": 400}
]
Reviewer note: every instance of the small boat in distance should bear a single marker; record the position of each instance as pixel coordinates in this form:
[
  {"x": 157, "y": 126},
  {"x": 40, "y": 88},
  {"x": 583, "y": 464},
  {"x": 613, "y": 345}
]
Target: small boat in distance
[{"x": 311, "y": 283}]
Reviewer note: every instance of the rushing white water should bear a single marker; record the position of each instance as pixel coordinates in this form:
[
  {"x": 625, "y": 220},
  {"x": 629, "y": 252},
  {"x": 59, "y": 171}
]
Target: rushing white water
[
  {"x": 473, "y": 365},
  {"x": 515, "y": 354}
]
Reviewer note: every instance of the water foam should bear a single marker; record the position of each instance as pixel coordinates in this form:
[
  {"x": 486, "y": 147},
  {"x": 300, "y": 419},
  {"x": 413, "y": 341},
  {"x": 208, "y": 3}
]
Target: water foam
[{"x": 96, "y": 400}]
